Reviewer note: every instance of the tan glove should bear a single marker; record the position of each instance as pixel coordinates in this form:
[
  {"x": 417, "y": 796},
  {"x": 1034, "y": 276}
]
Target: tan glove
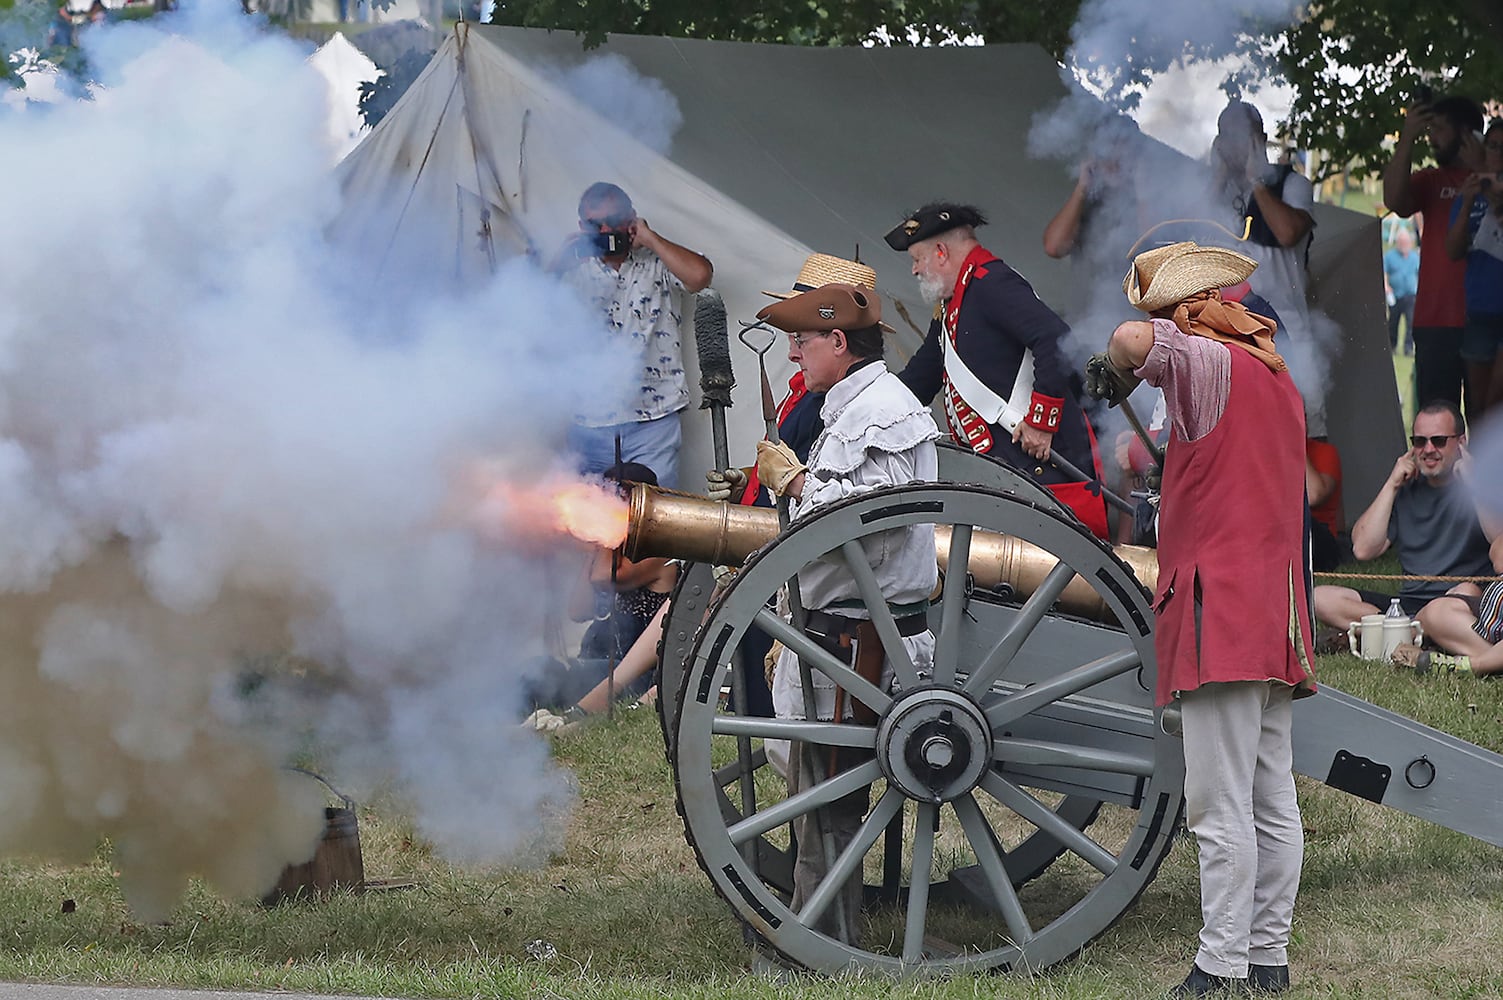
[
  {"x": 722, "y": 484},
  {"x": 777, "y": 465},
  {"x": 770, "y": 661}
]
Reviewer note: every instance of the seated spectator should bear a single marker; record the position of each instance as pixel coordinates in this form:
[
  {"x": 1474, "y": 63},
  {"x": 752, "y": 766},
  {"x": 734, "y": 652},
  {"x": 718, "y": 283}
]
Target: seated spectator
[
  {"x": 1425, "y": 512},
  {"x": 622, "y": 596},
  {"x": 1468, "y": 624},
  {"x": 622, "y": 609},
  {"x": 1329, "y": 544},
  {"x": 1476, "y": 236}
]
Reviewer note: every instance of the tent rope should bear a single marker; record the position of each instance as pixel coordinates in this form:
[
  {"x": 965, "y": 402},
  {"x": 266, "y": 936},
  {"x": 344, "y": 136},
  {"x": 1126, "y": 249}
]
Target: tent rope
[{"x": 427, "y": 152}]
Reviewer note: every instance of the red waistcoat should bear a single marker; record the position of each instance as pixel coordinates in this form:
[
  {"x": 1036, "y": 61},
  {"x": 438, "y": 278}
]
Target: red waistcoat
[{"x": 1231, "y": 541}]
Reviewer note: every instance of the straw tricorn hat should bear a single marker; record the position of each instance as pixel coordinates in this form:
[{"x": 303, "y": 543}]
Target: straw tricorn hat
[
  {"x": 827, "y": 269},
  {"x": 833, "y": 306},
  {"x": 1165, "y": 275},
  {"x": 824, "y": 269}
]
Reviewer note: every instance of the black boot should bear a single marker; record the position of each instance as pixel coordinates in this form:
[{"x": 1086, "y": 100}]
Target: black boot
[
  {"x": 1200, "y": 983},
  {"x": 1268, "y": 978}
]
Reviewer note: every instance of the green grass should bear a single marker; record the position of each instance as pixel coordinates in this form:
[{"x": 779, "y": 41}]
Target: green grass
[{"x": 1390, "y": 907}]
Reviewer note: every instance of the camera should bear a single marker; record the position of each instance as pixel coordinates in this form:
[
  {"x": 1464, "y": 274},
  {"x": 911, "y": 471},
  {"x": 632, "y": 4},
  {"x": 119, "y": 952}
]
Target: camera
[
  {"x": 611, "y": 243},
  {"x": 606, "y": 244}
]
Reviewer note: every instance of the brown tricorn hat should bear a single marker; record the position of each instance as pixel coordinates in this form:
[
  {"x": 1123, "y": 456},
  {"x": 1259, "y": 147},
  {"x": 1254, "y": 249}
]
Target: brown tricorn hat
[{"x": 836, "y": 306}]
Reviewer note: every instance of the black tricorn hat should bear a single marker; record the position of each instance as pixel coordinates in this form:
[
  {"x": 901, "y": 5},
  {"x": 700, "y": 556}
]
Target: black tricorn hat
[{"x": 932, "y": 220}]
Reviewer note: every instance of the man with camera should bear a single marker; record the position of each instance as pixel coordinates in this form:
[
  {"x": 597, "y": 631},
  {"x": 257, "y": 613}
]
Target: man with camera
[
  {"x": 635, "y": 277},
  {"x": 1453, "y": 126}
]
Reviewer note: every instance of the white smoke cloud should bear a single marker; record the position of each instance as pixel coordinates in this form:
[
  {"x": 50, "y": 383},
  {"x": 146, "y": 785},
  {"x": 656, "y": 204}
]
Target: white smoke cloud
[
  {"x": 218, "y": 446},
  {"x": 640, "y": 106},
  {"x": 1145, "y": 194}
]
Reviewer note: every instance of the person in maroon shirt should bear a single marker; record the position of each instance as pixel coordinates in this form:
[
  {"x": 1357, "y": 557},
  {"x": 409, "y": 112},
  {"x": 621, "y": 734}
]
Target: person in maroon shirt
[
  {"x": 1453, "y": 126},
  {"x": 1232, "y": 610}
]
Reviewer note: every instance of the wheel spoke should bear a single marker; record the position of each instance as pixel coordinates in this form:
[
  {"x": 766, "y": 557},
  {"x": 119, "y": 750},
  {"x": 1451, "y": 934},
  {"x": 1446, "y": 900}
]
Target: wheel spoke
[
  {"x": 728, "y": 774},
  {"x": 1042, "y": 753},
  {"x": 808, "y": 800},
  {"x": 1072, "y": 681},
  {"x": 830, "y": 734},
  {"x": 824, "y": 661},
  {"x": 984, "y": 843},
  {"x": 850, "y": 859},
  {"x": 1029, "y": 615},
  {"x": 947, "y": 643},
  {"x": 918, "y": 883},
  {"x": 1046, "y": 819},
  {"x": 881, "y": 614}
]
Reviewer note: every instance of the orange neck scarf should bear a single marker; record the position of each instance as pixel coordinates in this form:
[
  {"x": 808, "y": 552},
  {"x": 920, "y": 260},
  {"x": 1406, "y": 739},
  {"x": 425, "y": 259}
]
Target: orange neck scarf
[{"x": 1207, "y": 315}]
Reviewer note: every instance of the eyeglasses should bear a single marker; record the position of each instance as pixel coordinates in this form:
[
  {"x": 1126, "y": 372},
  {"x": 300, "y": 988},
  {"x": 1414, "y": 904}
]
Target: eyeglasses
[
  {"x": 1438, "y": 441},
  {"x": 800, "y": 339}
]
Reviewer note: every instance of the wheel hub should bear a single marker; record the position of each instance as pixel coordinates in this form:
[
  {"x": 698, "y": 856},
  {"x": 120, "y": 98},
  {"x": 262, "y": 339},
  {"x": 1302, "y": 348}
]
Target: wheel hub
[{"x": 933, "y": 744}]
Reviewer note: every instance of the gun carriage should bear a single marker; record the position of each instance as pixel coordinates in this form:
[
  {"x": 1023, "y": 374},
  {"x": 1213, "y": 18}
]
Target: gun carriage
[{"x": 1024, "y": 790}]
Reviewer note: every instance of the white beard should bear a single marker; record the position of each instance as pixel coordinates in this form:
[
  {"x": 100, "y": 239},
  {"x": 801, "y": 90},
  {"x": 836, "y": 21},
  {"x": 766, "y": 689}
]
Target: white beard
[{"x": 933, "y": 289}]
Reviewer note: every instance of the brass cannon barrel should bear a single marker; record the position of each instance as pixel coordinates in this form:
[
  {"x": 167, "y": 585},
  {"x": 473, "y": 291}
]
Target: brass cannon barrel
[{"x": 701, "y": 530}]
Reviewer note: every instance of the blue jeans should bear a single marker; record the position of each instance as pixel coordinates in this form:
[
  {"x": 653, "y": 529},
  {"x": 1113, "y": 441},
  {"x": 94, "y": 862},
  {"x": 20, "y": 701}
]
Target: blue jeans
[{"x": 654, "y": 443}]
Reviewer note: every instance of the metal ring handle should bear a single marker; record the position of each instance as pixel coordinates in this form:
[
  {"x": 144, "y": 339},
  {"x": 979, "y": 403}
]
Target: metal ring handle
[{"x": 1425, "y": 764}]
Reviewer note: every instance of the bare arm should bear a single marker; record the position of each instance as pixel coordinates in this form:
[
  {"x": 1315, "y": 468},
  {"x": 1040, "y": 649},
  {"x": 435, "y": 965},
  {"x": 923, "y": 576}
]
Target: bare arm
[
  {"x": 1130, "y": 344},
  {"x": 629, "y": 575},
  {"x": 1318, "y": 485},
  {"x": 638, "y": 660},
  {"x": 1289, "y": 225},
  {"x": 1370, "y": 533},
  {"x": 693, "y": 269},
  {"x": 1396, "y": 194},
  {"x": 1062, "y": 232}
]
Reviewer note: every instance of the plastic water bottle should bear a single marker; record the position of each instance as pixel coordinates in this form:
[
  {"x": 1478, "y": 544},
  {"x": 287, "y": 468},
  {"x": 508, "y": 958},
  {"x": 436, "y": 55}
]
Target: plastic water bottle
[{"x": 1395, "y": 611}]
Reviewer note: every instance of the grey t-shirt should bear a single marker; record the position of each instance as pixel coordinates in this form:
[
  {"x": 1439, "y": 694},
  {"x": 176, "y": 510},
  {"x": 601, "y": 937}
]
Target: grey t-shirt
[{"x": 1436, "y": 533}]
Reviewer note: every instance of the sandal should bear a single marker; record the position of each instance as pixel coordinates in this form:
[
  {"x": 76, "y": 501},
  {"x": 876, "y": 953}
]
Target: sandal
[{"x": 1424, "y": 661}]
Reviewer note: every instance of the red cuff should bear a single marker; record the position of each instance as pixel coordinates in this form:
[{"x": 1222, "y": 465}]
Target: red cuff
[{"x": 1044, "y": 412}]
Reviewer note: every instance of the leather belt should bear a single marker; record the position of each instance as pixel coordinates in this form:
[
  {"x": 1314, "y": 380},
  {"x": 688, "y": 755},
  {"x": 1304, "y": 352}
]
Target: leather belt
[{"x": 830, "y": 626}]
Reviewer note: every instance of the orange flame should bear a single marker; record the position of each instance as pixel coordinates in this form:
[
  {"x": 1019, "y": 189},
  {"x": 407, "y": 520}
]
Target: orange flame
[{"x": 588, "y": 511}]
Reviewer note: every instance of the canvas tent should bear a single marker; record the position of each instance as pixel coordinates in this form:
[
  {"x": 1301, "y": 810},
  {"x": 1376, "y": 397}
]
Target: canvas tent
[
  {"x": 785, "y": 149},
  {"x": 344, "y": 68}
]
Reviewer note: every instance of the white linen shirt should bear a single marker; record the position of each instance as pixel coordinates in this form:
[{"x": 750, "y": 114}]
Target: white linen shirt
[{"x": 876, "y": 434}]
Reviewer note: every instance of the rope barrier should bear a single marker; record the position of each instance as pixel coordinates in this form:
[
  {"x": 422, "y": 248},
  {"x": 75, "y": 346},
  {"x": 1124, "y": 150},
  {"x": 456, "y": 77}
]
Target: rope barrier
[{"x": 1405, "y": 576}]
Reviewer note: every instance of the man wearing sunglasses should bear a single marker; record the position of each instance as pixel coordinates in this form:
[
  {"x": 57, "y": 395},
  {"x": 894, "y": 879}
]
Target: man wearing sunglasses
[
  {"x": 1426, "y": 513},
  {"x": 636, "y": 278}
]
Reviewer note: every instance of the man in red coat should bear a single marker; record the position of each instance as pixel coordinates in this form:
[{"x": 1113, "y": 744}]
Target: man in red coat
[
  {"x": 998, "y": 358},
  {"x": 1233, "y": 604}
]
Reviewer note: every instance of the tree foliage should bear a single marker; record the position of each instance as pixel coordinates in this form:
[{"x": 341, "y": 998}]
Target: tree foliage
[{"x": 1355, "y": 64}]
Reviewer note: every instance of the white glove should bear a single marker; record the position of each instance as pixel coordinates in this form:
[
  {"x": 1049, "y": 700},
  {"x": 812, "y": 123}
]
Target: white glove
[
  {"x": 544, "y": 721},
  {"x": 722, "y": 484}
]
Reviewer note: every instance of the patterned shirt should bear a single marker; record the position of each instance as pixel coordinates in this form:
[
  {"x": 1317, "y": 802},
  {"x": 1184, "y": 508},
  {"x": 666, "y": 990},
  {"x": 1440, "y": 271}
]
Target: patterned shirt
[{"x": 641, "y": 305}]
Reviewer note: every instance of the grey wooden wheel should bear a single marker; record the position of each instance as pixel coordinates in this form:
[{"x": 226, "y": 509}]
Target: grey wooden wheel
[
  {"x": 1038, "y": 707},
  {"x": 686, "y": 613}
]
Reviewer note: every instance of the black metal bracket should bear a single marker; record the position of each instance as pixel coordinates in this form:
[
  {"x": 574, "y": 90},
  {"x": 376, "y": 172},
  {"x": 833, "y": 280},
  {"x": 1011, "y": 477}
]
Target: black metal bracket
[{"x": 1359, "y": 776}]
